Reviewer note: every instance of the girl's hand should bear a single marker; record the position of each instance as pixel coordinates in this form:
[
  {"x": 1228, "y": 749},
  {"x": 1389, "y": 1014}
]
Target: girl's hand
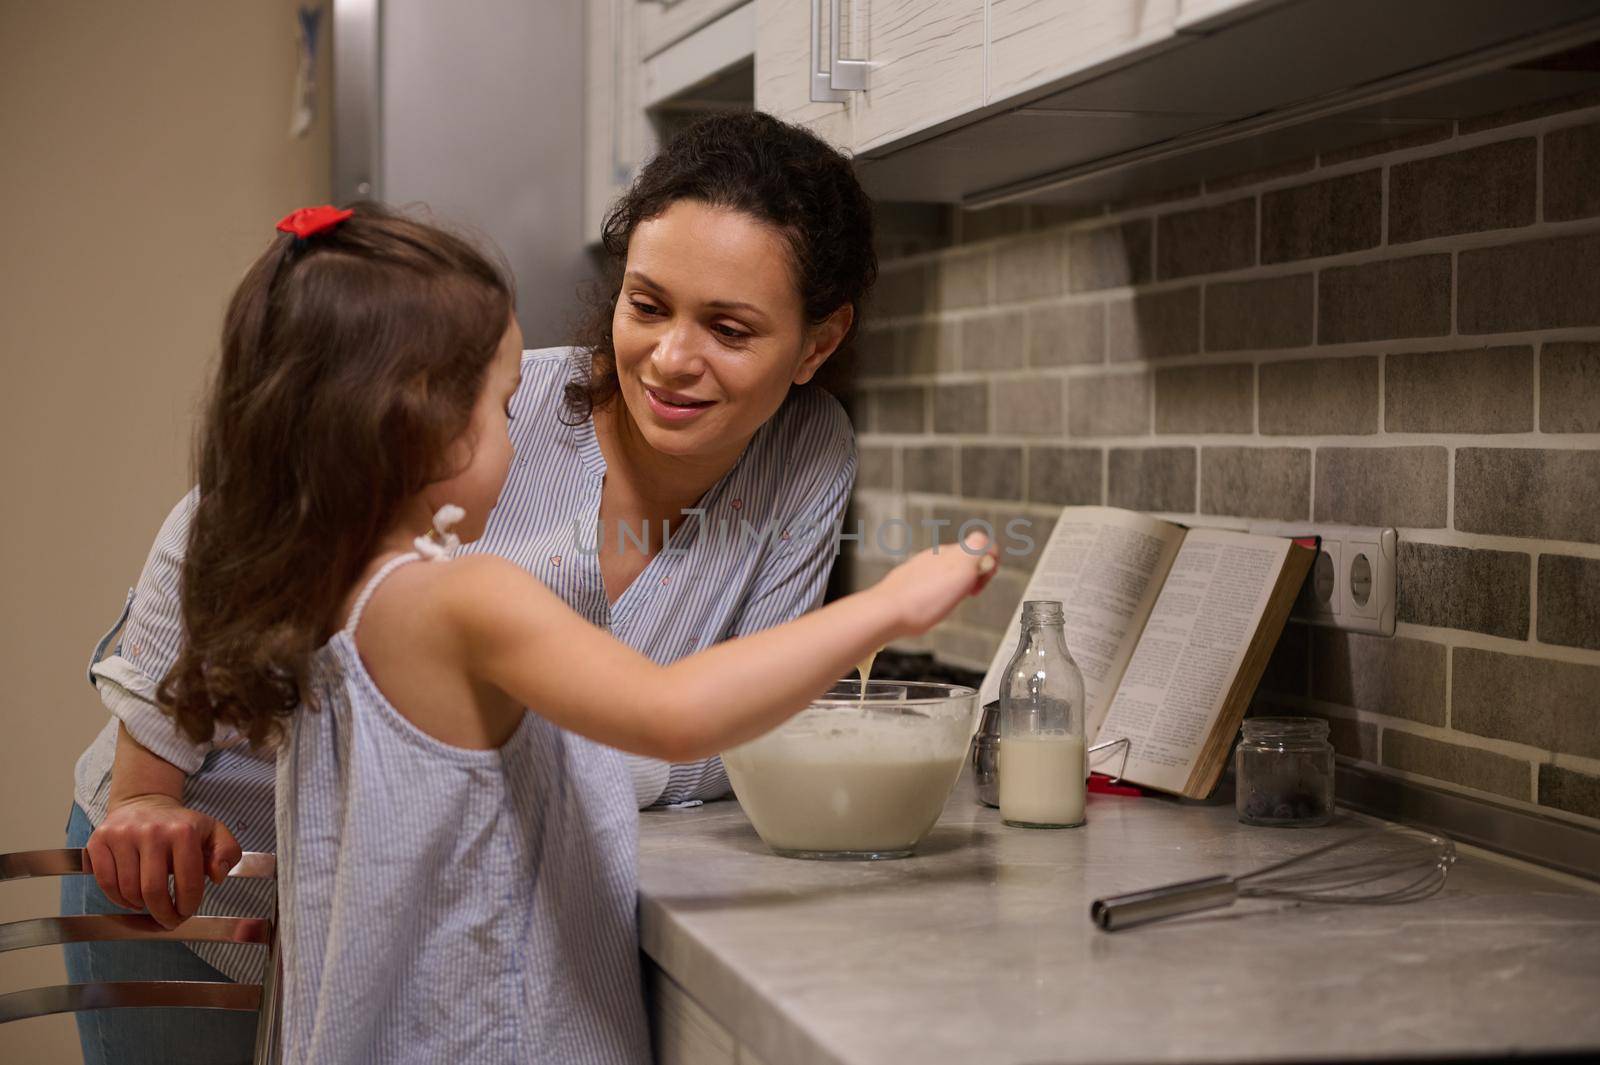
[
  {"x": 143, "y": 839},
  {"x": 927, "y": 586}
]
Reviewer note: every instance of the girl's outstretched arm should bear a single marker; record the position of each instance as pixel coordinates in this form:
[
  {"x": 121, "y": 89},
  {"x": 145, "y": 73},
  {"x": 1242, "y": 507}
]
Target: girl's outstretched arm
[{"x": 515, "y": 634}]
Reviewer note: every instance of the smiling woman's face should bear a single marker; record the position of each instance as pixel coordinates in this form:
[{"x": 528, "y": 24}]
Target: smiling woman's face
[{"x": 709, "y": 330}]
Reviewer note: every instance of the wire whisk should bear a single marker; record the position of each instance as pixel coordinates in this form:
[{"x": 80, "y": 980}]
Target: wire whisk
[{"x": 1383, "y": 867}]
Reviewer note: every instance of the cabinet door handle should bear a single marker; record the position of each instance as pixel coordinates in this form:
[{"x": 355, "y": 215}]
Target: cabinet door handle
[
  {"x": 824, "y": 89},
  {"x": 850, "y": 75}
]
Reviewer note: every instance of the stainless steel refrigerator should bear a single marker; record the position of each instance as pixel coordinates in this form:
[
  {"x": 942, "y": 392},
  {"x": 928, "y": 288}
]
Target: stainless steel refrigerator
[{"x": 475, "y": 109}]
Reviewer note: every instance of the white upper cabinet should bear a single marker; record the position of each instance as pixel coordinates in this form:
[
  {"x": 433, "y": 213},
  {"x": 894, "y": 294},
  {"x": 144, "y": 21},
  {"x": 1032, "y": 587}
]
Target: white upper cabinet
[
  {"x": 1034, "y": 42},
  {"x": 653, "y": 66},
  {"x": 616, "y": 134},
  {"x": 921, "y": 62},
  {"x": 925, "y": 64},
  {"x": 663, "y": 23},
  {"x": 788, "y": 49}
]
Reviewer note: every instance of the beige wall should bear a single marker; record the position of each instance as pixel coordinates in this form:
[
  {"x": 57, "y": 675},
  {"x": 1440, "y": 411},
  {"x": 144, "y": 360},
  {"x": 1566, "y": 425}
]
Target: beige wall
[{"x": 144, "y": 155}]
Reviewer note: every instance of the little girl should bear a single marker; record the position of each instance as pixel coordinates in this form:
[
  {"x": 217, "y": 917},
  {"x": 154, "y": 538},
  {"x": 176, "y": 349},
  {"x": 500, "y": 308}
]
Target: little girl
[{"x": 356, "y": 432}]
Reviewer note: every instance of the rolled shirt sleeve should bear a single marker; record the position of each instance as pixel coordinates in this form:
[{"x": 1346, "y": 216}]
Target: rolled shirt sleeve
[{"x": 127, "y": 680}]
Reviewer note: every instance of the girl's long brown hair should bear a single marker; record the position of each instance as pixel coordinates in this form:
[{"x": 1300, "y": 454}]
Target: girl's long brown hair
[{"x": 351, "y": 361}]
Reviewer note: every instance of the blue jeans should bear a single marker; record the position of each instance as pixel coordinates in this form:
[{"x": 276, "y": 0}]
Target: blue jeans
[{"x": 145, "y": 1036}]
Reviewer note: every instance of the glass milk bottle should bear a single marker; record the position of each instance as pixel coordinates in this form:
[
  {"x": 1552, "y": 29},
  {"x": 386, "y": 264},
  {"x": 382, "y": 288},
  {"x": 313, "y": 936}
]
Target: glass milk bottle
[{"x": 1042, "y": 768}]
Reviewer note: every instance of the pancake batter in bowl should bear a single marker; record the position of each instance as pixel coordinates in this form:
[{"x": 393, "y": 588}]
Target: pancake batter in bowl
[{"x": 841, "y": 783}]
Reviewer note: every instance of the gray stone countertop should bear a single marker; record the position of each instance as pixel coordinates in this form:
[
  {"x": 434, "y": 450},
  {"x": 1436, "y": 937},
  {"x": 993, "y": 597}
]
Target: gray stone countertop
[{"x": 980, "y": 949}]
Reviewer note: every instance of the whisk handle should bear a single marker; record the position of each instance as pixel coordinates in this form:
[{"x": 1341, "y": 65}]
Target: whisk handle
[{"x": 1155, "y": 904}]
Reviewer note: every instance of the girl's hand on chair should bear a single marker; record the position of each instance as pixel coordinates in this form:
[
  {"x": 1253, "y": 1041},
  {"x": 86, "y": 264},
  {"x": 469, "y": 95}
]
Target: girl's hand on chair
[{"x": 145, "y": 838}]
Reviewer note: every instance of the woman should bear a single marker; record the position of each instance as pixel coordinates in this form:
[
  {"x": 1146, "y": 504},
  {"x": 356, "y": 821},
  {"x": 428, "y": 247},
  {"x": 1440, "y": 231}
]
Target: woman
[{"x": 673, "y": 472}]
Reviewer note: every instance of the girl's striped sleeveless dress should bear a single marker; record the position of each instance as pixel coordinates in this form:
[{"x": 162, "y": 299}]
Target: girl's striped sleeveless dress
[{"x": 445, "y": 906}]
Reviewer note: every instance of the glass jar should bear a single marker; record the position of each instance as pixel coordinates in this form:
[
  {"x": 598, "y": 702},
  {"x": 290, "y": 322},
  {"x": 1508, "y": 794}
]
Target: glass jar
[
  {"x": 1284, "y": 771},
  {"x": 1042, "y": 768}
]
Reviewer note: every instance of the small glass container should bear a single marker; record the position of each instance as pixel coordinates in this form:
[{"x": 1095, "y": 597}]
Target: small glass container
[
  {"x": 1042, "y": 765},
  {"x": 1284, "y": 767}
]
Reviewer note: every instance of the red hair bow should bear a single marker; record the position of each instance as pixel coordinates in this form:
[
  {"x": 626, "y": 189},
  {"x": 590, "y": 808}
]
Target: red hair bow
[{"x": 308, "y": 221}]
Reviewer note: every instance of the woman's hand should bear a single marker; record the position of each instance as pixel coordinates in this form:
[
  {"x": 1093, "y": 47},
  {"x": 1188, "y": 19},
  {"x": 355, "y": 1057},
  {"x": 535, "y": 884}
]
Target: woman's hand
[
  {"x": 143, "y": 839},
  {"x": 927, "y": 586}
]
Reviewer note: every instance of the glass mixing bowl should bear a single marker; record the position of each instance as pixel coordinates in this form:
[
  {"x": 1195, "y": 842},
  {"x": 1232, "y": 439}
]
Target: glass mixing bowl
[{"x": 856, "y": 775}]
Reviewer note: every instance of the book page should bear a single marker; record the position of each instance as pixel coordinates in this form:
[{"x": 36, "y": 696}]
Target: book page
[
  {"x": 1178, "y": 678},
  {"x": 1106, "y": 566}
]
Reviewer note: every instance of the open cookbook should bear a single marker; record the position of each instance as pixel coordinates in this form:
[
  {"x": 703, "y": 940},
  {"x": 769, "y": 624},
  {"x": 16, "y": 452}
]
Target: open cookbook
[{"x": 1172, "y": 628}]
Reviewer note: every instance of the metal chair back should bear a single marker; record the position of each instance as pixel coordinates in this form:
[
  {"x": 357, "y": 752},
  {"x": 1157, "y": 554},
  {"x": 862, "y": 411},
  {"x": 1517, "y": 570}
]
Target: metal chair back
[{"x": 119, "y": 994}]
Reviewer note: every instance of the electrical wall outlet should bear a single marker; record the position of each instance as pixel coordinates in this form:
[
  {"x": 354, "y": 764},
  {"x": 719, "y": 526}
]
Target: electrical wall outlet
[{"x": 1351, "y": 585}]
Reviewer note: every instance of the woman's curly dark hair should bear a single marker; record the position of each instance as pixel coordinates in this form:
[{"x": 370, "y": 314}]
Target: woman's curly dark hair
[{"x": 777, "y": 173}]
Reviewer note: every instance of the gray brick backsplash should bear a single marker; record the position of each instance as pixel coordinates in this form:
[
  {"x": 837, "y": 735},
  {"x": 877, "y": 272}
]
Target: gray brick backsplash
[
  {"x": 991, "y": 472},
  {"x": 1257, "y": 315},
  {"x": 1028, "y": 268},
  {"x": 1064, "y": 475},
  {"x": 1022, "y": 537},
  {"x": 1170, "y": 194},
  {"x": 993, "y": 342},
  {"x": 1002, "y": 221},
  {"x": 1402, "y": 486},
  {"x": 1569, "y": 601},
  {"x": 876, "y": 466},
  {"x": 992, "y": 610},
  {"x": 1463, "y": 588},
  {"x": 1482, "y": 390},
  {"x": 878, "y": 352},
  {"x": 1569, "y": 790},
  {"x": 1319, "y": 396},
  {"x": 1072, "y": 334},
  {"x": 963, "y": 646},
  {"x": 1553, "y": 494},
  {"x": 901, "y": 409},
  {"x": 962, "y": 408},
  {"x": 1467, "y": 766},
  {"x": 1109, "y": 257},
  {"x": 1108, "y": 405},
  {"x": 1154, "y": 325},
  {"x": 902, "y": 290},
  {"x": 1384, "y": 300},
  {"x": 1289, "y": 669},
  {"x": 1328, "y": 217},
  {"x": 1536, "y": 701},
  {"x": 863, "y": 573},
  {"x": 928, "y": 469},
  {"x": 1354, "y": 739},
  {"x": 1414, "y": 138},
  {"x": 1382, "y": 346},
  {"x": 1571, "y": 160},
  {"x": 859, "y": 409},
  {"x": 1053, "y": 215},
  {"x": 928, "y": 347},
  {"x": 1539, "y": 284},
  {"x": 1397, "y": 676},
  {"x": 1152, "y": 478},
  {"x": 963, "y": 280},
  {"x": 1527, "y": 112},
  {"x": 1206, "y": 399},
  {"x": 1491, "y": 187},
  {"x": 1256, "y": 482},
  {"x": 902, "y": 229},
  {"x": 951, "y": 519},
  {"x": 1206, "y": 240},
  {"x": 1569, "y": 387},
  {"x": 1029, "y": 406},
  {"x": 1247, "y": 178}
]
